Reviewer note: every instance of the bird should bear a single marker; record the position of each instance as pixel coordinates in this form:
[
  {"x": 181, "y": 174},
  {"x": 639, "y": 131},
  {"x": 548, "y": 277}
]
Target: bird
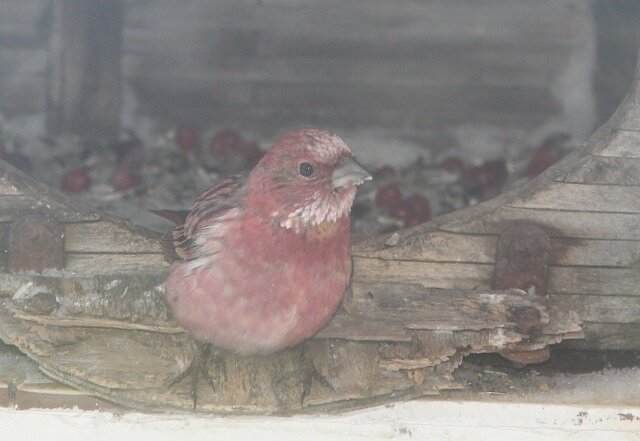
[{"x": 264, "y": 258}]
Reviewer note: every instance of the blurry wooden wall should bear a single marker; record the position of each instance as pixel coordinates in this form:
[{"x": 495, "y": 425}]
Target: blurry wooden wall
[{"x": 268, "y": 64}]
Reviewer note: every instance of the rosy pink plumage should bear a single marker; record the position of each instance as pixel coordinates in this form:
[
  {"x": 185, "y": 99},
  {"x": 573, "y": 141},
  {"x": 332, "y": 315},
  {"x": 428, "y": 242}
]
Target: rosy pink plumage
[{"x": 266, "y": 257}]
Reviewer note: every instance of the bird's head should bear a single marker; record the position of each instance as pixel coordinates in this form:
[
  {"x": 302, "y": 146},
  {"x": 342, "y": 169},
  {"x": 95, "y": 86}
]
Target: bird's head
[{"x": 308, "y": 177}]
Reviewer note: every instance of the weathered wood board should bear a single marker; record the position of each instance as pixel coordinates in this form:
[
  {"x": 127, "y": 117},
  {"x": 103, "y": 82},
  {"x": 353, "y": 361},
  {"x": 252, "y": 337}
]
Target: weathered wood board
[
  {"x": 112, "y": 336},
  {"x": 420, "y": 298},
  {"x": 99, "y": 322},
  {"x": 587, "y": 204}
]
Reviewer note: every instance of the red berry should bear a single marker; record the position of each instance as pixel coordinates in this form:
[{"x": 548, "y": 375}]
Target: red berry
[
  {"x": 471, "y": 181},
  {"x": 453, "y": 164},
  {"x": 471, "y": 173},
  {"x": 388, "y": 196},
  {"x": 252, "y": 153},
  {"x": 124, "y": 179},
  {"x": 399, "y": 211},
  {"x": 541, "y": 158},
  {"x": 129, "y": 154},
  {"x": 75, "y": 181},
  {"x": 494, "y": 173},
  {"x": 419, "y": 209},
  {"x": 489, "y": 192},
  {"x": 225, "y": 140},
  {"x": 187, "y": 138}
]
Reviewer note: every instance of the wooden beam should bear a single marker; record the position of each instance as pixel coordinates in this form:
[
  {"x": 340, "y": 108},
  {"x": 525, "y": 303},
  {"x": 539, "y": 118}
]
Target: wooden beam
[{"x": 84, "y": 84}]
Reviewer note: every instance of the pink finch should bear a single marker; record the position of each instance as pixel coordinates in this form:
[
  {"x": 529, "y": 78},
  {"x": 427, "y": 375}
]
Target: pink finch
[{"x": 266, "y": 257}]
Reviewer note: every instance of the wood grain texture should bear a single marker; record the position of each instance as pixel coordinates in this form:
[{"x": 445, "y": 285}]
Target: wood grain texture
[
  {"x": 623, "y": 144},
  {"x": 14, "y": 207},
  {"x": 84, "y": 82},
  {"x": 594, "y": 253},
  {"x": 112, "y": 336},
  {"x": 595, "y": 281},
  {"x": 416, "y": 305},
  {"x": 600, "y": 309},
  {"x": 430, "y": 246},
  {"x": 570, "y": 224},
  {"x": 113, "y": 263},
  {"x": 107, "y": 237},
  {"x": 584, "y": 198},
  {"x": 431, "y": 274},
  {"x": 234, "y": 61},
  {"x": 607, "y": 336},
  {"x": 588, "y": 205},
  {"x": 21, "y": 194},
  {"x": 606, "y": 170}
]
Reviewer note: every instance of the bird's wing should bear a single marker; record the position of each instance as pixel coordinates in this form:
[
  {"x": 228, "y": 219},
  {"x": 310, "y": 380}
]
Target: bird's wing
[{"x": 207, "y": 211}]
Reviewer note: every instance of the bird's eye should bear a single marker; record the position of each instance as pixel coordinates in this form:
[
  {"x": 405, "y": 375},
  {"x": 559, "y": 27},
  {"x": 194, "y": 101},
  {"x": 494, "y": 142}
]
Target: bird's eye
[{"x": 306, "y": 169}]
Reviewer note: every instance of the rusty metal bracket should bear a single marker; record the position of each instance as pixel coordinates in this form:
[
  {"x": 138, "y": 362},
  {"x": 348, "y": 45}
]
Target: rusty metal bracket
[
  {"x": 522, "y": 261},
  {"x": 36, "y": 243}
]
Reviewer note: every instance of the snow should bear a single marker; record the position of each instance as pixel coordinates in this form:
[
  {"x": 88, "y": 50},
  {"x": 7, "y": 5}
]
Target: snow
[{"x": 411, "y": 420}]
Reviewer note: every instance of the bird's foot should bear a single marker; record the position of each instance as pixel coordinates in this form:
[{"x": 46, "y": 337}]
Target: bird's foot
[
  {"x": 304, "y": 376},
  {"x": 200, "y": 367}
]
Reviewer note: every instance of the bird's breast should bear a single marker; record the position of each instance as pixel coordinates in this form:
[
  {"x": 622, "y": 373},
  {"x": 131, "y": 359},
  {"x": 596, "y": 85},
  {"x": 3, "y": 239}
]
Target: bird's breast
[{"x": 266, "y": 290}]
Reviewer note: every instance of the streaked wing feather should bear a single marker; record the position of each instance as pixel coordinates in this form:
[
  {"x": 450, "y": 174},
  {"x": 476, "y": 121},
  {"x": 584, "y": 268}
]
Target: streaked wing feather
[{"x": 209, "y": 207}]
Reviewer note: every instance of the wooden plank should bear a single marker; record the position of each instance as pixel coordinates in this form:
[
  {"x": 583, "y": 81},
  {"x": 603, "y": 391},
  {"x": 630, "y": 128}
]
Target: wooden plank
[
  {"x": 576, "y": 224},
  {"x": 456, "y": 99},
  {"x": 290, "y": 69},
  {"x": 25, "y": 195},
  {"x": 630, "y": 115},
  {"x": 90, "y": 322},
  {"x": 129, "y": 297},
  {"x": 14, "y": 207},
  {"x": 583, "y": 197},
  {"x": 623, "y": 144},
  {"x": 584, "y": 252},
  {"x": 418, "y": 308},
  {"x": 106, "y": 237},
  {"x": 594, "y": 280},
  {"x": 600, "y": 309},
  {"x": 84, "y": 84},
  {"x": 87, "y": 263},
  {"x": 608, "y": 336},
  {"x": 605, "y": 170},
  {"x": 167, "y": 107},
  {"x": 415, "y": 20},
  {"x": 7, "y": 186},
  {"x": 438, "y": 246},
  {"x": 311, "y": 51},
  {"x": 429, "y": 274},
  {"x": 432, "y": 246},
  {"x": 408, "y": 21}
]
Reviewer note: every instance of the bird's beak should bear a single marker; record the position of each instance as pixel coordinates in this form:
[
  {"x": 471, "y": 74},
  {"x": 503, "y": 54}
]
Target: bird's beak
[{"x": 348, "y": 172}]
